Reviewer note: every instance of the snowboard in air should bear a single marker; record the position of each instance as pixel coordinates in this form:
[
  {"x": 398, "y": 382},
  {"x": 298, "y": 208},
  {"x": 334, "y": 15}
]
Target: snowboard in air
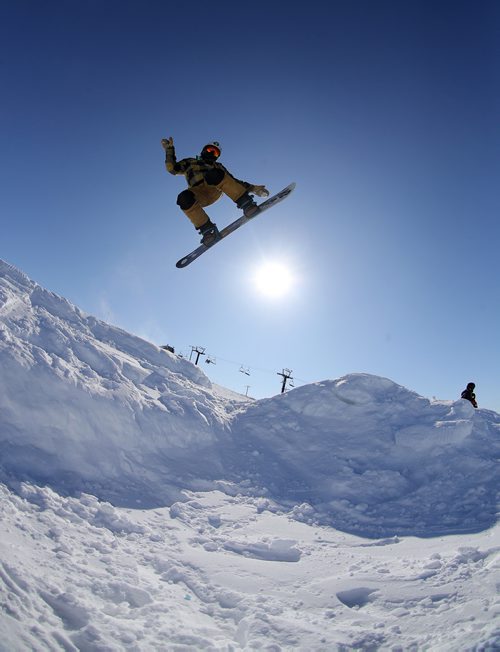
[{"x": 223, "y": 233}]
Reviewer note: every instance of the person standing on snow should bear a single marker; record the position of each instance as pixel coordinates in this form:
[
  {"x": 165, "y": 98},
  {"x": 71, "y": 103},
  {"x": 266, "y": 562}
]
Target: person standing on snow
[
  {"x": 207, "y": 181},
  {"x": 468, "y": 394}
]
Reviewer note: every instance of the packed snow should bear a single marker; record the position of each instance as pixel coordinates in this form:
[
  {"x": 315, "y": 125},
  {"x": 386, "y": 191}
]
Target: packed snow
[{"x": 145, "y": 508}]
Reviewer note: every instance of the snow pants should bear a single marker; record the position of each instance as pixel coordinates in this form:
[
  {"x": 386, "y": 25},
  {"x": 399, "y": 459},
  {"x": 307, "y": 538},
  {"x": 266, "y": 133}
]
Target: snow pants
[{"x": 216, "y": 183}]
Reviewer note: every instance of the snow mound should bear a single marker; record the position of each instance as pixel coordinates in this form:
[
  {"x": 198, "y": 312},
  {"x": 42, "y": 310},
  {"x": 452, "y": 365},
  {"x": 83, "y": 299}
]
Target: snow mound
[
  {"x": 87, "y": 407},
  {"x": 374, "y": 458}
]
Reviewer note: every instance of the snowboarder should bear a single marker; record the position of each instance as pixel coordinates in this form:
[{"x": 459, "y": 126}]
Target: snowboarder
[
  {"x": 468, "y": 394},
  {"x": 207, "y": 181}
]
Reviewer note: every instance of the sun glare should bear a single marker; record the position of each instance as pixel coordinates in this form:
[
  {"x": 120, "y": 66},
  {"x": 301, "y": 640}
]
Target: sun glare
[{"x": 273, "y": 279}]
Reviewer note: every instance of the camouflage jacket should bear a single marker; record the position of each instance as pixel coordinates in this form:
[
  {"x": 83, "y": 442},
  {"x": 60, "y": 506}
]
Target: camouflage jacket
[{"x": 194, "y": 169}]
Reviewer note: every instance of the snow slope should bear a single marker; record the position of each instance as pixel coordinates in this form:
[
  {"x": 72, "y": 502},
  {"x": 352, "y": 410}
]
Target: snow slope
[
  {"x": 88, "y": 406},
  {"x": 144, "y": 508}
]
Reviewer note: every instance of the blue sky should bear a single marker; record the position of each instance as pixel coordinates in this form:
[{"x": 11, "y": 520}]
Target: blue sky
[{"x": 384, "y": 113}]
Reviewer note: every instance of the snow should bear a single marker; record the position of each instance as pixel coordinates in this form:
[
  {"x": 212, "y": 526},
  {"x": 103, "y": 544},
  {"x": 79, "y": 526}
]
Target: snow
[{"x": 144, "y": 508}]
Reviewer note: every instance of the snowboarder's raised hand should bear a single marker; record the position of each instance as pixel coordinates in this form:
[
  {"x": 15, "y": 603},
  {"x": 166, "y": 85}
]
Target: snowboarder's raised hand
[
  {"x": 260, "y": 191},
  {"x": 167, "y": 142}
]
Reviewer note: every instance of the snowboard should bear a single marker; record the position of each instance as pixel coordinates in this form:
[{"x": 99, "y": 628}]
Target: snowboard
[{"x": 230, "y": 228}]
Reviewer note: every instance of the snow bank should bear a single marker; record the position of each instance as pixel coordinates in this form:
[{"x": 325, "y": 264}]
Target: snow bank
[
  {"x": 374, "y": 458},
  {"x": 88, "y": 407}
]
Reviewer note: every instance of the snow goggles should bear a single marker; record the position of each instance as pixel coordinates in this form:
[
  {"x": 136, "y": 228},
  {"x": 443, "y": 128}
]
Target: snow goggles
[{"x": 212, "y": 149}]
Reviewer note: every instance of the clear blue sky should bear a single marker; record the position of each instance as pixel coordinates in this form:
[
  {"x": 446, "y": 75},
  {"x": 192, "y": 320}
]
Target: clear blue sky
[{"x": 385, "y": 114}]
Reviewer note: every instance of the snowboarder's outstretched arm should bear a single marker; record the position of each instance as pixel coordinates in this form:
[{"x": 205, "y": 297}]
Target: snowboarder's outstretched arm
[
  {"x": 261, "y": 191},
  {"x": 173, "y": 166}
]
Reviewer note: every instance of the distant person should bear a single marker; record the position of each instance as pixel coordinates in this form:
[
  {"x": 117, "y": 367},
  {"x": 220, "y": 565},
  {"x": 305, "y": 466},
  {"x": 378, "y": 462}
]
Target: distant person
[
  {"x": 207, "y": 181},
  {"x": 468, "y": 394}
]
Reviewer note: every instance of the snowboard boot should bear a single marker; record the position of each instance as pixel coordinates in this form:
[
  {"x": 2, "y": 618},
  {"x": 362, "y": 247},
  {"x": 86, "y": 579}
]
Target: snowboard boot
[
  {"x": 209, "y": 232},
  {"x": 247, "y": 205}
]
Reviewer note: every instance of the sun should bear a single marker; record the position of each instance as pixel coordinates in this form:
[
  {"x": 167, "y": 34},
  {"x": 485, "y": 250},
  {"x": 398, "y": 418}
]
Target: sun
[{"x": 273, "y": 279}]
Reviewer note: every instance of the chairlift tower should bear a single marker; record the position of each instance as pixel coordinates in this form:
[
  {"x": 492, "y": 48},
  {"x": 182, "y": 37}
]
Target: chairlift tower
[
  {"x": 199, "y": 350},
  {"x": 286, "y": 374}
]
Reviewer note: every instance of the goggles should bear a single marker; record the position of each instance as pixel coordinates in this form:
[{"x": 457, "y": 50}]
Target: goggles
[{"x": 212, "y": 149}]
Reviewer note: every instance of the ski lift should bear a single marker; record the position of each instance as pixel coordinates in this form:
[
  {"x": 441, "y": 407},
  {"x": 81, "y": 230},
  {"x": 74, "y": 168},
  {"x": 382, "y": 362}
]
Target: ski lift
[
  {"x": 210, "y": 360},
  {"x": 245, "y": 370}
]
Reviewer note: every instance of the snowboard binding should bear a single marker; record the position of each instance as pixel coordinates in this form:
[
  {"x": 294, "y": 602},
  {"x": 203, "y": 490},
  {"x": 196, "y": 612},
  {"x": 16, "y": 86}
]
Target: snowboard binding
[{"x": 210, "y": 234}]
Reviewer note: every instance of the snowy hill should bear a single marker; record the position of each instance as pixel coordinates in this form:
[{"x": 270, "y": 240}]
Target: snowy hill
[
  {"x": 89, "y": 407},
  {"x": 145, "y": 508}
]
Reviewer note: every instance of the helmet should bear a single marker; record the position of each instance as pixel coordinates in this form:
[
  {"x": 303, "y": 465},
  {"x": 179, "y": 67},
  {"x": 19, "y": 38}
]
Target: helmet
[
  {"x": 471, "y": 385},
  {"x": 211, "y": 151}
]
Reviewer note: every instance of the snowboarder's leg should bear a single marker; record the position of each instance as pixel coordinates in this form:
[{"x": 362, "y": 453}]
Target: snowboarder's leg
[
  {"x": 233, "y": 189},
  {"x": 192, "y": 208}
]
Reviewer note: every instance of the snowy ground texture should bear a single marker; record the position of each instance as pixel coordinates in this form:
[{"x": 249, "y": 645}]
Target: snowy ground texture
[{"x": 143, "y": 508}]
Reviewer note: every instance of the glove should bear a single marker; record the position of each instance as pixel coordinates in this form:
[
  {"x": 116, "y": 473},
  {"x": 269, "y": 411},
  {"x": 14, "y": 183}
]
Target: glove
[
  {"x": 167, "y": 142},
  {"x": 260, "y": 191}
]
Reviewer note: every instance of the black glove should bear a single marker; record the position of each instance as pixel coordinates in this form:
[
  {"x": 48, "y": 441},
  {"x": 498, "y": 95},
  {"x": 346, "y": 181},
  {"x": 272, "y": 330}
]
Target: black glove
[{"x": 167, "y": 142}]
